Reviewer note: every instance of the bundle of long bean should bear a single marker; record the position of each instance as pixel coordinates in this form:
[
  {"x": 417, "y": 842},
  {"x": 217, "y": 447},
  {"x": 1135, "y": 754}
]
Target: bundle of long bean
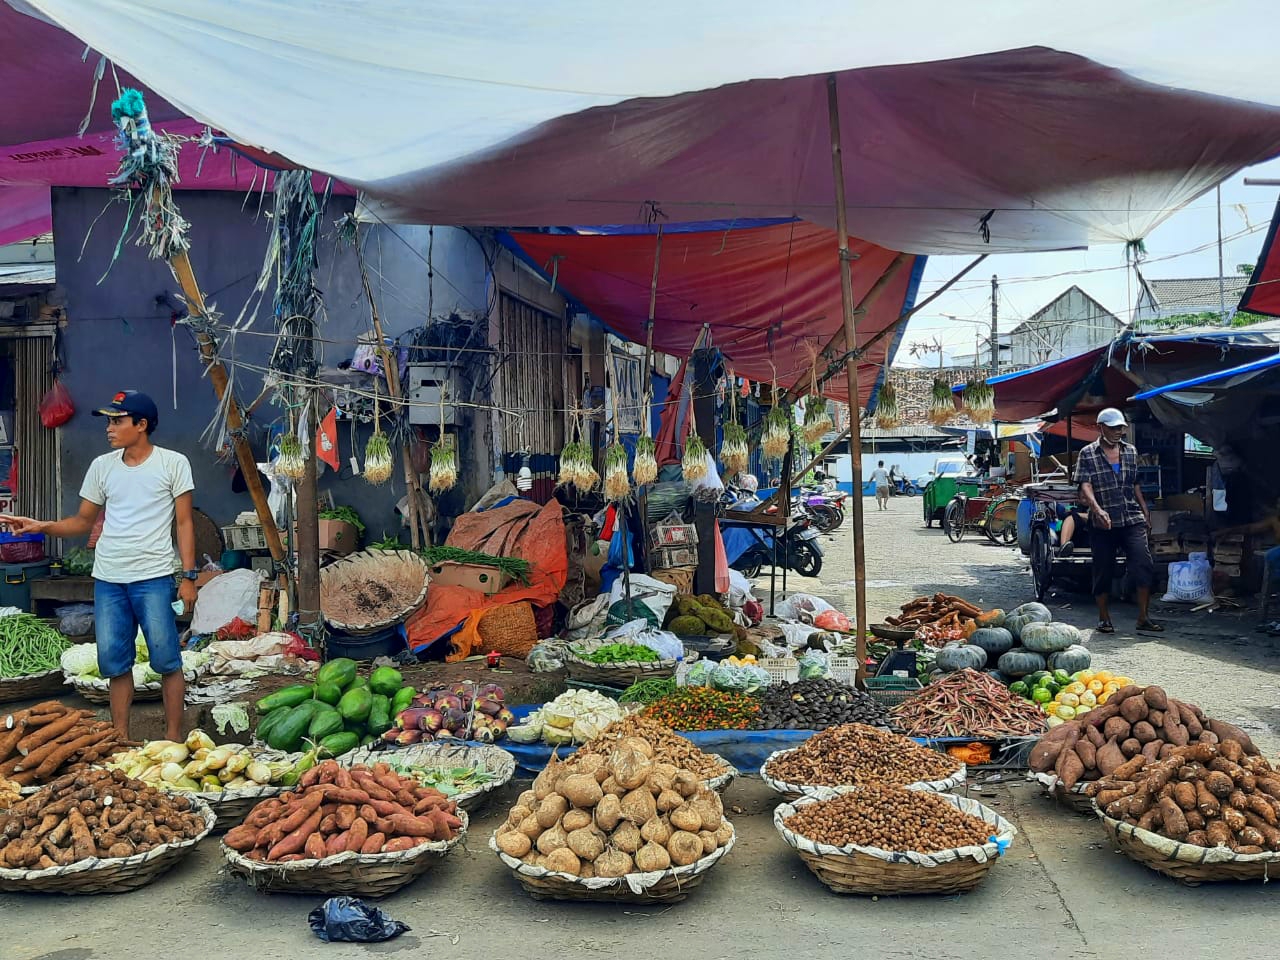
[
  {"x": 28, "y": 646},
  {"x": 968, "y": 704},
  {"x": 512, "y": 566}
]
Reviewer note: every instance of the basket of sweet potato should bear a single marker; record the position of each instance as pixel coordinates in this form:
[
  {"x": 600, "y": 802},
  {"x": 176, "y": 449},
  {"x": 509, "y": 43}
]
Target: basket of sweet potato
[{"x": 359, "y": 830}]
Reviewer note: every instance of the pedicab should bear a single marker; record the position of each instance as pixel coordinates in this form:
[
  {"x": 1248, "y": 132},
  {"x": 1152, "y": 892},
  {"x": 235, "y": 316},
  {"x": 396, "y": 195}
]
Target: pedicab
[
  {"x": 1051, "y": 502},
  {"x": 984, "y": 505}
]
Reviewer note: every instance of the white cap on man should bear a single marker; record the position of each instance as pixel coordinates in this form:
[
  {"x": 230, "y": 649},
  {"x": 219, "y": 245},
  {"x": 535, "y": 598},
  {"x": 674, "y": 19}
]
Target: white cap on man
[{"x": 1111, "y": 417}]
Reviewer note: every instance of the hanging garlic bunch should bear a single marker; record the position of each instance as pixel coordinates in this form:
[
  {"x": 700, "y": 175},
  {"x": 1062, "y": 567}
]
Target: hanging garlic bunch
[
  {"x": 292, "y": 460},
  {"x": 887, "y": 416},
  {"x": 942, "y": 407},
  {"x": 616, "y": 485},
  {"x": 444, "y": 465},
  {"x": 694, "y": 463},
  {"x": 734, "y": 453},
  {"x": 979, "y": 401},
  {"x": 646, "y": 464},
  {"x": 817, "y": 422},
  {"x": 377, "y": 459},
  {"x": 775, "y": 438}
]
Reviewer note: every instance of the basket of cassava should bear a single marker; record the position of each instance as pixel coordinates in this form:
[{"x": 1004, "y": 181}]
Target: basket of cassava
[{"x": 894, "y": 840}]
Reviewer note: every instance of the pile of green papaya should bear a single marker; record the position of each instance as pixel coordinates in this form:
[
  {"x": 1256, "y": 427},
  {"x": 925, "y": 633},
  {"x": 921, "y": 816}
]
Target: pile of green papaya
[{"x": 339, "y": 712}]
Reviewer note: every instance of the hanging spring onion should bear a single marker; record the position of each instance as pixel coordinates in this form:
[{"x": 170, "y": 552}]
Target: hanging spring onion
[
  {"x": 734, "y": 453},
  {"x": 887, "y": 416},
  {"x": 377, "y": 459},
  {"x": 292, "y": 461},
  {"x": 942, "y": 408},
  {"x": 979, "y": 401},
  {"x": 646, "y": 465},
  {"x": 775, "y": 439},
  {"x": 817, "y": 422},
  {"x": 444, "y": 465},
  {"x": 694, "y": 463},
  {"x": 616, "y": 485}
]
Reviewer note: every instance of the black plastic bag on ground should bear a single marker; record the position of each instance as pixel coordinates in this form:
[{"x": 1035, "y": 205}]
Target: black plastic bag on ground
[{"x": 352, "y": 920}]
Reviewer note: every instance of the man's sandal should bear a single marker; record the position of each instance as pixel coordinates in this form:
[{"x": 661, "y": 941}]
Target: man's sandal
[
  {"x": 1149, "y": 626},
  {"x": 1106, "y": 626}
]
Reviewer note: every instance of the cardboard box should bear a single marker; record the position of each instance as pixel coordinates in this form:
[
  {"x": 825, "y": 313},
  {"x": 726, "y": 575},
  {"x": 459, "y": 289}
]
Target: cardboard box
[
  {"x": 1160, "y": 521},
  {"x": 473, "y": 576},
  {"x": 338, "y": 536},
  {"x": 1191, "y": 502}
]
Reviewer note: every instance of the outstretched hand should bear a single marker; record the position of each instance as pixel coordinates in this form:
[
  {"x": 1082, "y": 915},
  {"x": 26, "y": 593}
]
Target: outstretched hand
[{"x": 21, "y": 525}]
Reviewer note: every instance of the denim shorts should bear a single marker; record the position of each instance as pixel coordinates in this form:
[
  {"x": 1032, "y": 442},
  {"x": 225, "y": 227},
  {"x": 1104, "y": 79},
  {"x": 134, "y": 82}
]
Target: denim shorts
[{"x": 119, "y": 609}]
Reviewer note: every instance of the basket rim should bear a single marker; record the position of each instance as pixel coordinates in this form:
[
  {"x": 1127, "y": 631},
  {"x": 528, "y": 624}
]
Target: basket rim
[
  {"x": 1051, "y": 783},
  {"x": 505, "y": 760},
  {"x": 814, "y": 790},
  {"x": 636, "y": 882},
  {"x": 347, "y": 858},
  {"x": 1004, "y": 831},
  {"x": 1182, "y": 852},
  {"x": 29, "y": 677},
  {"x": 357, "y": 629},
  {"x": 103, "y": 864}
]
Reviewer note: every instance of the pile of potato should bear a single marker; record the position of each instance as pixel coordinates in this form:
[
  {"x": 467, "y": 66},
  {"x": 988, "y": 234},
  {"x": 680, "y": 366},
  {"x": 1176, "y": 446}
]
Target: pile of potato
[
  {"x": 853, "y": 754},
  {"x": 1205, "y": 794},
  {"x": 890, "y": 818},
  {"x": 1136, "y": 721},
  {"x": 608, "y": 816},
  {"x": 97, "y": 813}
]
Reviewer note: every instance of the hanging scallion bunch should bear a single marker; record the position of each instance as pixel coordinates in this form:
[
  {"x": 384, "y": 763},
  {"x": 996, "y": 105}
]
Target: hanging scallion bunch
[
  {"x": 377, "y": 459},
  {"x": 942, "y": 407},
  {"x": 694, "y": 463},
  {"x": 817, "y": 421},
  {"x": 734, "y": 453},
  {"x": 775, "y": 438},
  {"x": 292, "y": 460},
  {"x": 570, "y": 456},
  {"x": 645, "y": 469},
  {"x": 979, "y": 401},
  {"x": 887, "y": 416},
  {"x": 616, "y": 485},
  {"x": 444, "y": 465}
]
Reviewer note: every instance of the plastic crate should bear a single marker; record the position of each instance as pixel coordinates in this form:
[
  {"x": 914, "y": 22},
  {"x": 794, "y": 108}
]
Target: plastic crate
[
  {"x": 891, "y": 691},
  {"x": 245, "y": 537},
  {"x": 781, "y": 669},
  {"x": 844, "y": 669}
]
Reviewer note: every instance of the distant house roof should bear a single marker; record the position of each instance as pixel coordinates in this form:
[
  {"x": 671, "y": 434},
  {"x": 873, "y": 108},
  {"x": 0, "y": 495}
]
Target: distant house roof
[
  {"x": 1097, "y": 309},
  {"x": 1195, "y": 295},
  {"x": 26, "y": 273}
]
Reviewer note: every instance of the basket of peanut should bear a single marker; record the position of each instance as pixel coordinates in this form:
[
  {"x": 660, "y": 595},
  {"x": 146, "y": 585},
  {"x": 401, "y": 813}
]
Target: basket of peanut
[{"x": 885, "y": 839}]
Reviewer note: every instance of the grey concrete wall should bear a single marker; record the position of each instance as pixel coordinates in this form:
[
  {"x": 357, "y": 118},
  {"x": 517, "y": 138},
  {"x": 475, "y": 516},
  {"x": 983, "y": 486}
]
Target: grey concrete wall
[{"x": 117, "y": 338}]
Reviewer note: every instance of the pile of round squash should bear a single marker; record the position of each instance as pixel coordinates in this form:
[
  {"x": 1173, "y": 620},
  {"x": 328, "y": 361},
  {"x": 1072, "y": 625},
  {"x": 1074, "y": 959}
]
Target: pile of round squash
[{"x": 1023, "y": 642}]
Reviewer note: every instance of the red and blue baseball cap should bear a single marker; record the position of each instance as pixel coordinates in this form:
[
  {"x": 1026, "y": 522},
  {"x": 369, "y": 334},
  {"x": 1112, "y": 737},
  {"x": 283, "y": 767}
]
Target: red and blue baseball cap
[{"x": 131, "y": 403}]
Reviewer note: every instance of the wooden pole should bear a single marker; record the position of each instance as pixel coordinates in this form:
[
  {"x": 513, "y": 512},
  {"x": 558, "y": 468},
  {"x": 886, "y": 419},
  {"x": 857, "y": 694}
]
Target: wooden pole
[
  {"x": 181, "y": 266},
  {"x": 851, "y": 373},
  {"x": 307, "y": 524}
]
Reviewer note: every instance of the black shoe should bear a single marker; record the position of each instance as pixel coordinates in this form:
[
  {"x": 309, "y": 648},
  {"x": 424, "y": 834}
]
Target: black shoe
[{"x": 1066, "y": 549}]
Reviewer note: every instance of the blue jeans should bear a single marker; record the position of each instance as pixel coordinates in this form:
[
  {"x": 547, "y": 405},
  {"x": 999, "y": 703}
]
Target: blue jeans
[{"x": 119, "y": 609}]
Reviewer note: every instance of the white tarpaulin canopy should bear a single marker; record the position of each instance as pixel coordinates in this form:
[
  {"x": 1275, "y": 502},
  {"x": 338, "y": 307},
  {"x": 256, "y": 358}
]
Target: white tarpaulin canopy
[{"x": 1079, "y": 124}]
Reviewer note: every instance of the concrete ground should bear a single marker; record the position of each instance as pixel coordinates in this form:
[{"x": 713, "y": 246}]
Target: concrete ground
[{"x": 1061, "y": 890}]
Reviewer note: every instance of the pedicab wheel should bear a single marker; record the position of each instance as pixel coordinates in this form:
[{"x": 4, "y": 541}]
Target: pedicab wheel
[
  {"x": 928, "y": 513},
  {"x": 1002, "y": 522},
  {"x": 1041, "y": 561},
  {"x": 953, "y": 521},
  {"x": 805, "y": 560}
]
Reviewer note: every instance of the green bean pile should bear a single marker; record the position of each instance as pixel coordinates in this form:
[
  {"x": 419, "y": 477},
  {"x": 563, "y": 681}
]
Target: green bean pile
[
  {"x": 648, "y": 691},
  {"x": 513, "y": 567},
  {"x": 28, "y": 645}
]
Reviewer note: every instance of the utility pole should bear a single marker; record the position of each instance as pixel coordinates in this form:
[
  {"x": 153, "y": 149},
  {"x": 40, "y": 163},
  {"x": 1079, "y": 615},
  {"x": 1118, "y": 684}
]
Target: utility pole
[
  {"x": 995, "y": 336},
  {"x": 1222, "y": 290}
]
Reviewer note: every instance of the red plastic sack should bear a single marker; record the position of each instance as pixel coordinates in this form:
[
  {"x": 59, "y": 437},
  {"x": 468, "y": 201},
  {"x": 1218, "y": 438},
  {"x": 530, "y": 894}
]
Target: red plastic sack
[
  {"x": 833, "y": 620},
  {"x": 56, "y": 407}
]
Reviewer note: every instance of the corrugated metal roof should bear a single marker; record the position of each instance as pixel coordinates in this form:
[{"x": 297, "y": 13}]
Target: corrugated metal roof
[
  {"x": 1196, "y": 294},
  {"x": 910, "y": 431},
  {"x": 26, "y": 273}
]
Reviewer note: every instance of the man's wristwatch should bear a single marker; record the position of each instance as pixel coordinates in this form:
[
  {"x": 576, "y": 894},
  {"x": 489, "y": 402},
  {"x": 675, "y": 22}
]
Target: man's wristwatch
[{"x": 190, "y": 574}]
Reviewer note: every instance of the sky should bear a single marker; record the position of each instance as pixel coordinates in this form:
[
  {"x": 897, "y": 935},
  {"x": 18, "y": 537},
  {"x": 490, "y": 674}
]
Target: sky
[{"x": 1183, "y": 246}]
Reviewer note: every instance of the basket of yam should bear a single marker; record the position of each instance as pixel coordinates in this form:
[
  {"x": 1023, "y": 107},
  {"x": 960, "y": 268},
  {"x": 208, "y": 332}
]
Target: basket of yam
[
  {"x": 96, "y": 832},
  {"x": 853, "y": 755},
  {"x": 885, "y": 839},
  {"x": 668, "y": 746},
  {"x": 615, "y": 828},
  {"x": 1135, "y": 721},
  {"x": 360, "y": 831},
  {"x": 1206, "y": 812}
]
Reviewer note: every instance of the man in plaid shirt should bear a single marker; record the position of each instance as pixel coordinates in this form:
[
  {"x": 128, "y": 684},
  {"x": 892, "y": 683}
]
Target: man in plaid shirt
[{"x": 1107, "y": 471}]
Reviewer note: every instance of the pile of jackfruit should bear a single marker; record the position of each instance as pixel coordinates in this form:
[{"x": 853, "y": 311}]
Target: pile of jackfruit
[{"x": 700, "y": 616}]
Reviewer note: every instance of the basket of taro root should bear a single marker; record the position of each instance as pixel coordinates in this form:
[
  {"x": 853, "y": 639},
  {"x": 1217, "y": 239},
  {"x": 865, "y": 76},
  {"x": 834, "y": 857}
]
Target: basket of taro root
[
  {"x": 852, "y": 756},
  {"x": 1207, "y": 812},
  {"x": 894, "y": 840},
  {"x": 96, "y": 832},
  {"x": 362, "y": 831}
]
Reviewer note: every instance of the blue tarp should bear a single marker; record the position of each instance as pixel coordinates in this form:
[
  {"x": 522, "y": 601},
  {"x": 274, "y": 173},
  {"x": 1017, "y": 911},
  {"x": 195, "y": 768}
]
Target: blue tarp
[{"x": 1246, "y": 371}]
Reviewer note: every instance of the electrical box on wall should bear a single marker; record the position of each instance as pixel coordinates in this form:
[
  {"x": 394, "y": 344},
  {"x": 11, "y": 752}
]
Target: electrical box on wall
[{"x": 425, "y": 382}]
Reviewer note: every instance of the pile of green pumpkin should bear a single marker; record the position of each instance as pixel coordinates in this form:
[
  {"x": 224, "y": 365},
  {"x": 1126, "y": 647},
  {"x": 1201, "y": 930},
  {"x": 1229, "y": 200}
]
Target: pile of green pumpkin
[{"x": 1017, "y": 644}]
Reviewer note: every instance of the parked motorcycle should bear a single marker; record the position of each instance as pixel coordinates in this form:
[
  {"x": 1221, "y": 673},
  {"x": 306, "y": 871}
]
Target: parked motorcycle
[{"x": 801, "y": 551}]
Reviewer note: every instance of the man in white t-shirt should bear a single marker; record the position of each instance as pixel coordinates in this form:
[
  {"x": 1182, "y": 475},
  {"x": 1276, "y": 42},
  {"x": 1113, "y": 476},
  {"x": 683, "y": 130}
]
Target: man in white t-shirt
[
  {"x": 880, "y": 479},
  {"x": 144, "y": 489}
]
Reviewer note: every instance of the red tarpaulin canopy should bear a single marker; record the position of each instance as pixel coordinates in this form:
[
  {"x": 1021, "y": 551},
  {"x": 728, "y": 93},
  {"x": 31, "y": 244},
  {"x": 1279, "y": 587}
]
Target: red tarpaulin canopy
[
  {"x": 769, "y": 293},
  {"x": 1263, "y": 293}
]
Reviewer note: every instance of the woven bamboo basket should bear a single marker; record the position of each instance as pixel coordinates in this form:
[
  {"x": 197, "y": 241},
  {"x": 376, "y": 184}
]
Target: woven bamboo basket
[
  {"x": 721, "y": 783},
  {"x": 1185, "y": 863},
  {"x": 873, "y": 872},
  {"x": 232, "y": 806},
  {"x": 794, "y": 791},
  {"x": 446, "y": 756},
  {"x": 381, "y": 566},
  {"x": 31, "y": 687},
  {"x": 621, "y": 675},
  {"x": 114, "y": 875},
  {"x": 1075, "y": 799},
  {"x": 97, "y": 690},
  {"x": 665, "y": 886},
  {"x": 352, "y": 874}
]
